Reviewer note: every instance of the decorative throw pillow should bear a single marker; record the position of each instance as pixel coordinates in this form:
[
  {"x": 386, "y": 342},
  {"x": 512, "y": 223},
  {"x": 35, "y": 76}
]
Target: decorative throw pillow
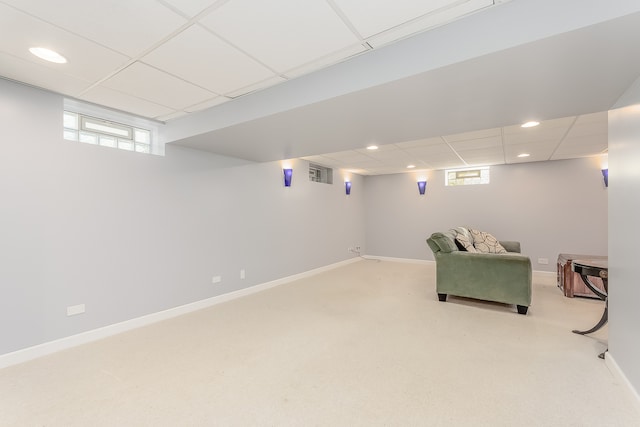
[
  {"x": 465, "y": 232},
  {"x": 464, "y": 239},
  {"x": 486, "y": 243}
]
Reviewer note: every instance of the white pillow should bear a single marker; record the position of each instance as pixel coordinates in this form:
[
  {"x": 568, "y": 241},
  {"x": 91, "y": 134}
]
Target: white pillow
[
  {"x": 466, "y": 243},
  {"x": 486, "y": 243}
]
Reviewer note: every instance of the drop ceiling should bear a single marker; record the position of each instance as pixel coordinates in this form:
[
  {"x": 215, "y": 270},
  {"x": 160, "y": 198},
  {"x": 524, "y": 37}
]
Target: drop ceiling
[
  {"x": 556, "y": 139},
  {"x": 264, "y": 81},
  {"x": 164, "y": 59}
]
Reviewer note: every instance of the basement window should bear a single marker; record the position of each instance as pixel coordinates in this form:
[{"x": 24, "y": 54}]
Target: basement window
[
  {"x": 472, "y": 176},
  {"x": 95, "y": 131},
  {"x": 319, "y": 173}
]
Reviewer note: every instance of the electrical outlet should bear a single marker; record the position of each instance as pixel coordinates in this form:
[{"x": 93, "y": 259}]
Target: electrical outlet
[
  {"x": 216, "y": 279},
  {"x": 72, "y": 310},
  {"x": 543, "y": 261},
  {"x": 242, "y": 275}
]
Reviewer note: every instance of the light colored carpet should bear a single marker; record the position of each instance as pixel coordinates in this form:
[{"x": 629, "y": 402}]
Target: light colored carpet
[{"x": 367, "y": 344}]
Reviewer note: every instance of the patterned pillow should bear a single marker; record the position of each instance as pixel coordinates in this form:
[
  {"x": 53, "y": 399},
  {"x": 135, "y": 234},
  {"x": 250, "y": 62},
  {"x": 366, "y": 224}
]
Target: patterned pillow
[
  {"x": 486, "y": 243},
  {"x": 464, "y": 239},
  {"x": 465, "y": 232}
]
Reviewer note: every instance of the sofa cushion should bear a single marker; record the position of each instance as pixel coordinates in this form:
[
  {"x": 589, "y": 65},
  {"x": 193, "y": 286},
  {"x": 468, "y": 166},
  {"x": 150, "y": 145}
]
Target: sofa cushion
[
  {"x": 444, "y": 242},
  {"x": 464, "y": 239},
  {"x": 486, "y": 243},
  {"x": 465, "y": 242},
  {"x": 464, "y": 231}
]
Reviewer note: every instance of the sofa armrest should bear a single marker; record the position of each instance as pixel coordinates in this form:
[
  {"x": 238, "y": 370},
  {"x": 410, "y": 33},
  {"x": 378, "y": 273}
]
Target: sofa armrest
[{"x": 510, "y": 246}]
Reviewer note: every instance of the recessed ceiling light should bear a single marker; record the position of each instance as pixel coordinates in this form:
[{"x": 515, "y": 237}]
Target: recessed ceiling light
[
  {"x": 411, "y": 166},
  {"x": 372, "y": 147},
  {"x": 530, "y": 124},
  {"x": 48, "y": 55},
  {"x": 524, "y": 155}
]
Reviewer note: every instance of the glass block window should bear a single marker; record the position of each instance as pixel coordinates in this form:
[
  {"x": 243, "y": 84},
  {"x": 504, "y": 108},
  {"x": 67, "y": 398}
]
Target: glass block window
[
  {"x": 319, "y": 173},
  {"x": 471, "y": 176},
  {"x": 91, "y": 130}
]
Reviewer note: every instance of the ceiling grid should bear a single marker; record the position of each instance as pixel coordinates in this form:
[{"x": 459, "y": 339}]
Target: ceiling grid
[{"x": 203, "y": 54}]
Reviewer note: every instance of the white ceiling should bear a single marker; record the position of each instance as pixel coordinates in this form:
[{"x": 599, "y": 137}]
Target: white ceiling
[
  {"x": 556, "y": 139},
  {"x": 178, "y": 60},
  {"x": 164, "y": 59}
]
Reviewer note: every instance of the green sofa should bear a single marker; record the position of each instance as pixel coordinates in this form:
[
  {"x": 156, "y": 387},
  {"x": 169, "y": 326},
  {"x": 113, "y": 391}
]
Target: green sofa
[{"x": 504, "y": 278}]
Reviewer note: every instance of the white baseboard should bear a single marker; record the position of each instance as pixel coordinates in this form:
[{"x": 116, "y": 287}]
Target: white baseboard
[
  {"x": 50, "y": 347},
  {"x": 405, "y": 260},
  {"x": 620, "y": 377}
]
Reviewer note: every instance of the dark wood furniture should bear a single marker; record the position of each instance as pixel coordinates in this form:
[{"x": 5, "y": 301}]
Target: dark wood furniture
[{"x": 569, "y": 281}]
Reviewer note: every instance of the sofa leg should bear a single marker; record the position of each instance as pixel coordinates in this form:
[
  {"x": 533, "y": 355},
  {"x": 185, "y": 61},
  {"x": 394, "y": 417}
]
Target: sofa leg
[
  {"x": 442, "y": 297},
  {"x": 522, "y": 309}
]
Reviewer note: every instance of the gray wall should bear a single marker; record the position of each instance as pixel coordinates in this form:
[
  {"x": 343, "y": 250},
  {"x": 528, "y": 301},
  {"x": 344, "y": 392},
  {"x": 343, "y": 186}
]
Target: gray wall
[
  {"x": 129, "y": 234},
  {"x": 624, "y": 232},
  {"x": 550, "y": 207}
]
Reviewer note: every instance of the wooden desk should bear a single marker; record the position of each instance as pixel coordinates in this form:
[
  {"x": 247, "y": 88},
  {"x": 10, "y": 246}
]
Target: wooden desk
[
  {"x": 569, "y": 281},
  {"x": 600, "y": 269}
]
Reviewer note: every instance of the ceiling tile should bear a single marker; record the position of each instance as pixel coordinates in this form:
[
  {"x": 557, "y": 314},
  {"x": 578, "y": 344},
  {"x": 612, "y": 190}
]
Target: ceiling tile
[
  {"x": 584, "y": 146},
  {"x": 143, "y": 81},
  {"x": 381, "y": 148},
  {"x": 271, "y": 81},
  {"x": 171, "y": 116},
  {"x": 475, "y": 144},
  {"x": 87, "y": 60},
  {"x": 125, "y": 26},
  {"x": 425, "y": 22},
  {"x": 392, "y": 156},
  {"x": 590, "y": 124},
  {"x": 466, "y": 136},
  {"x": 120, "y": 101},
  {"x": 371, "y": 17},
  {"x": 540, "y": 150},
  {"x": 550, "y": 130},
  {"x": 370, "y": 163},
  {"x": 432, "y": 158},
  {"x": 487, "y": 156},
  {"x": 601, "y": 117},
  {"x": 207, "y": 104},
  {"x": 547, "y": 125},
  {"x": 38, "y": 75},
  {"x": 348, "y": 156},
  {"x": 283, "y": 34},
  {"x": 447, "y": 164},
  {"x": 322, "y": 160},
  {"x": 202, "y": 58},
  {"x": 421, "y": 143},
  {"x": 439, "y": 149},
  {"x": 191, "y": 7},
  {"x": 326, "y": 60}
]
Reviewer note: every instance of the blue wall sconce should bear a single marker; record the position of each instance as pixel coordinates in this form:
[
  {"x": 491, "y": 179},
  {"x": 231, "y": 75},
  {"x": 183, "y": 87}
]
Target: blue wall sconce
[
  {"x": 288, "y": 173},
  {"x": 422, "y": 186},
  {"x": 605, "y": 175},
  {"x": 347, "y": 187}
]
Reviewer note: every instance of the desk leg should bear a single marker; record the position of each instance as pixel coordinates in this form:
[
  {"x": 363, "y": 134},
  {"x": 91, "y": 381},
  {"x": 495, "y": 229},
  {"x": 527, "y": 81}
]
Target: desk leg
[
  {"x": 594, "y": 289},
  {"x": 601, "y": 323}
]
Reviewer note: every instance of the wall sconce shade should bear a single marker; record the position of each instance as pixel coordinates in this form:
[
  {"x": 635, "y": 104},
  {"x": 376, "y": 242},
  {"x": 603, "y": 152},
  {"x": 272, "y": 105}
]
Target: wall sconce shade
[
  {"x": 422, "y": 186},
  {"x": 605, "y": 175},
  {"x": 288, "y": 173},
  {"x": 347, "y": 187}
]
